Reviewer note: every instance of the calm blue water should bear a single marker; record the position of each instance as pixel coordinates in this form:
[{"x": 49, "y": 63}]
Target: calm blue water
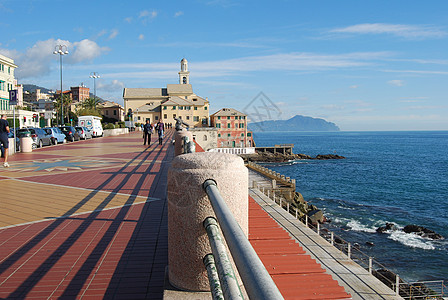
[{"x": 399, "y": 177}]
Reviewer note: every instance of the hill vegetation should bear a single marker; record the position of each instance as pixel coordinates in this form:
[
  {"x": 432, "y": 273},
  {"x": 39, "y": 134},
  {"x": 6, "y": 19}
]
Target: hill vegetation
[{"x": 296, "y": 123}]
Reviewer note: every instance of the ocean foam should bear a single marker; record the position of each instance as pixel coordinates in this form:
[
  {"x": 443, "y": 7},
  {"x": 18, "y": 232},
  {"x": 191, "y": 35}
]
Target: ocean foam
[
  {"x": 358, "y": 226},
  {"x": 411, "y": 240}
]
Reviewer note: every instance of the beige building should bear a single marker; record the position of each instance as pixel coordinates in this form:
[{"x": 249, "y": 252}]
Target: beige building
[
  {"x": 7, "y": 81},
  {"x": 112, "y": 110},
  {"x": 174, "y": 101}
]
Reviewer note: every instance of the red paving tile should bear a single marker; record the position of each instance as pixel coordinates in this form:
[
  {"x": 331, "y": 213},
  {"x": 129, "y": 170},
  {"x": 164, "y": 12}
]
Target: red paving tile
[{"x": 295, "y": 273}]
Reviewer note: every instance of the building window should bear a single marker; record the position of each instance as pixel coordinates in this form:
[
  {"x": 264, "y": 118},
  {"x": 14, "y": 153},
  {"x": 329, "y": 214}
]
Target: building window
[
  {"x": 249, "y": 134},
  {"x": 138, "y": 118},
  {"x": 164, "y": 108},
  {"x": 196, "y": 118},
  {"x": 115, "y": 112},
  {"x": 174, "y": 107},
  {"x": 195, "y": 108},
  {"x": 205, "y": 107},
  {"x": 219, "y": 118},
  {"x": 242, "y": 134},
  {"x": 228, "y": 135},
  {"x": 228, "y": 125},
  {"x": 174, "y": 116},
  {"x": 165, "y": 116},
  {"x": 219, "y": 135},
  {"x": 188, "y": 117},
  {"x": 107, "y": 112},
  {"x": 181, "y": 108},
  {"x": 156, "y": 117}
]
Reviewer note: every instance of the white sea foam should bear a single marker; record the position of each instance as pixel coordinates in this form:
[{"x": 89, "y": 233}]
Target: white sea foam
[
  {"x": 358, "y": 226},
  {"x": 411, "y": 240}
]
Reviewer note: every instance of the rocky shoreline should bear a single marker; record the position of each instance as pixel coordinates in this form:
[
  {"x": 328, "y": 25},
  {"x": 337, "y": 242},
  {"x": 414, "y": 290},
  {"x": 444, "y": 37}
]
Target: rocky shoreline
[{"x": 279, "y": 157}]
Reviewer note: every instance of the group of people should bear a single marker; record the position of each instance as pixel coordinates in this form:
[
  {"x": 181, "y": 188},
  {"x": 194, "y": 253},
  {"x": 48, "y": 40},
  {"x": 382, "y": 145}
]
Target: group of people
[
  {"x": 4, "y": 142},
  {"x": 148, "y": 129}
]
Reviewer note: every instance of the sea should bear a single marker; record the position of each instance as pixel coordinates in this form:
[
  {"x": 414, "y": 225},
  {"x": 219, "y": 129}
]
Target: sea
[{"x": 394, "y": 177}]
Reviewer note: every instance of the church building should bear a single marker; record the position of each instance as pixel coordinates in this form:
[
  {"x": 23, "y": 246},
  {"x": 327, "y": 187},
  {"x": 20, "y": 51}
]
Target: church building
[{"x": 174, "y": 101}]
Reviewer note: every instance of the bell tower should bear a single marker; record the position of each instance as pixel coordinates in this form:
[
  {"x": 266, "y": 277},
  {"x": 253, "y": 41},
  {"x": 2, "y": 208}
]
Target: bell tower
[{"x": 184, "y": 75}]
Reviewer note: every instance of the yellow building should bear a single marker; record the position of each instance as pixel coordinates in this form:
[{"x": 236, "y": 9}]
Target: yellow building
[{"x": 174, "y": 101}]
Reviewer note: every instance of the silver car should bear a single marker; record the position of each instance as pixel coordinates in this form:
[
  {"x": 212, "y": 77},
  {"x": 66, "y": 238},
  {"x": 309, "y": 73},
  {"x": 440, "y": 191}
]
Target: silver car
[{"x": 84, "y": 133}]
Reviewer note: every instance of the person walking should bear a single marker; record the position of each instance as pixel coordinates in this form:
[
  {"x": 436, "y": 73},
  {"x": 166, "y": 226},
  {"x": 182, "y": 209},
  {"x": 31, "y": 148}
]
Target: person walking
[
  {"x": 4, "y": 130},
  {"x": 147, "y": 130},
  {"x": 160, "y": 127}
]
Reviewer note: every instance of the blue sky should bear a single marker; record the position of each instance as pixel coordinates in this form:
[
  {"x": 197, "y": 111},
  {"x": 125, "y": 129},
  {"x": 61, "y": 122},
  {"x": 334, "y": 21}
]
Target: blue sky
[{"x": 364, "y": 65}]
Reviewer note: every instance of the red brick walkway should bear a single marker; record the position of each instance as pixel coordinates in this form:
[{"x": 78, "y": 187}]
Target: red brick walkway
[{"x": 99, "y": 227}]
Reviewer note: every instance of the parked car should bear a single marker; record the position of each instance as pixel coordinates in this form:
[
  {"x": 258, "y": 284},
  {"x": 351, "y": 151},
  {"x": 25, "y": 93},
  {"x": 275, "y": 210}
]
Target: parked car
[
  {"x": 84, "y": 133},
  {"x": 70, "y": 133},
  {"x": 39, "y": 136},
  {"x": 56, "y": 135}
]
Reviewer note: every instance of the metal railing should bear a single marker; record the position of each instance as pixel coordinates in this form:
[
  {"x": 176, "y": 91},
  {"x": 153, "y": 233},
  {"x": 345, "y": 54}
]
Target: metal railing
[
  {"x": 407, "y": 290},
  {"x": 256, "y": 279}
]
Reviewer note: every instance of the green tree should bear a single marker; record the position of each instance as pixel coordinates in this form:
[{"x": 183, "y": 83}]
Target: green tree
[
  {"x": 91, "y": 103},
  {"x": 66, "y": 102}
]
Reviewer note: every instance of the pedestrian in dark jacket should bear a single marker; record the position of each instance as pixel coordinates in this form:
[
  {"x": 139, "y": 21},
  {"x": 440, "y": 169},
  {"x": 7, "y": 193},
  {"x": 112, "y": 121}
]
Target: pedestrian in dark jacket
[
  {"x": 160, "y": 127},
  {"x": 147, "y": 130}
]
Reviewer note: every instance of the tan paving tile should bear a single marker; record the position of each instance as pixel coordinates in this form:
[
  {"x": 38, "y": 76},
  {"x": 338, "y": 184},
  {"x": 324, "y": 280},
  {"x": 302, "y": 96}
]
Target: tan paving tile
[{"x": 23, "y": 202}]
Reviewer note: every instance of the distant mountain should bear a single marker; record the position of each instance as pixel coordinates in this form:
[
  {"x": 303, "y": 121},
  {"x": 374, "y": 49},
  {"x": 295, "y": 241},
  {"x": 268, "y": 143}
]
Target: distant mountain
[
  {"x": 32, "y": 88},
  {"x": 296, "y": 123}
]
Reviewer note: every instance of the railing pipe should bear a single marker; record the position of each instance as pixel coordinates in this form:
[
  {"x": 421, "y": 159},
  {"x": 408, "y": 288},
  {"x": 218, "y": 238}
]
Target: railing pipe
[
  {"x": 213, "y": 278},
  {"x": 226, "y": 275},
  {"x": 257, "y": 281}
]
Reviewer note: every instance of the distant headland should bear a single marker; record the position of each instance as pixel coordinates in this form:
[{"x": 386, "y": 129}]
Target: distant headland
[{"x": 296, "y": 123}]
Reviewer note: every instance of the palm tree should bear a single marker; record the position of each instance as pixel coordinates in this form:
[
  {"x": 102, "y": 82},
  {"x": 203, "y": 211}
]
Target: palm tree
[
  {"x": 66, "y": 102},
  {"x": 90, "y": 103}
]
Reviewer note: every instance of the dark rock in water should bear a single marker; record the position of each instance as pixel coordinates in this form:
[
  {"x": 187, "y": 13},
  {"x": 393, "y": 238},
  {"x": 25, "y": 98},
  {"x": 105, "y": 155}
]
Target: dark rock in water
[
  {"x": 423, "y": 232},
  {"x": 388, "y": 226},
  {"x": 338, "y": 240},
  {"x": 316, "y": 215},
  {"x": 371, "y": 244},
  {"x": 329, "y": 156}
]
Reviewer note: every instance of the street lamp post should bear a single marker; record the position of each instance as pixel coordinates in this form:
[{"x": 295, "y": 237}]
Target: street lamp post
[
  {"x": 94, "y": 75},
  {"x": 61, "y": 50}
]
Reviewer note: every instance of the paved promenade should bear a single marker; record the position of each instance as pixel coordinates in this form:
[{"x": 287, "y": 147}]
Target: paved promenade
[{"x": 85, "y": 220}]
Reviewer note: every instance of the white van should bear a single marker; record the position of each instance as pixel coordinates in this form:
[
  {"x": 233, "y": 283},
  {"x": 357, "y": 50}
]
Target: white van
[{"x": 93, "y": 123}]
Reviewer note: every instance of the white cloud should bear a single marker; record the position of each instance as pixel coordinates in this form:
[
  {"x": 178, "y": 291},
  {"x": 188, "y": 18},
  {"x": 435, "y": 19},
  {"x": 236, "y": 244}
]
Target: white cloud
[
  {"x": 146, "y": 15},
  {"x": 178, "y": 14},
  {"x": 353, "y": 86},
  {"x": 141, "y": 37},
  {"x": 38, "y": 60},
  {"x": 296, "y": 62},
  {"x": 129, "y": 19},
  {"x": 400, "y": 30},
  {"x": 114, "y": 85},
  {"x": 113, "y": 34},
  {"x": 85, "y": 50},
  {"x": 396, "y": 82}
]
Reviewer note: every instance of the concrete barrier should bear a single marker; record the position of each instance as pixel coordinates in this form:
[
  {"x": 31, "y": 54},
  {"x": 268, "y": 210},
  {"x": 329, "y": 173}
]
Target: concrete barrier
[
  {"x": 188, "y": 206},
  {"x": 114, "y": 132}
]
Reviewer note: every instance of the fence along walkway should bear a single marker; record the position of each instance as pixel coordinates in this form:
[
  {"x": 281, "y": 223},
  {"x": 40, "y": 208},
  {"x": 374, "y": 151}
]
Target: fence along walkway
[{"x": 356, "y": 280}]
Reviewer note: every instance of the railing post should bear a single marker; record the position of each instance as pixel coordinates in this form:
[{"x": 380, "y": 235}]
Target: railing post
[
  {"x": 187, "y": 240},
  {"x": 397, "y": 285},
  {"x": 332, "y": 238},
  {"x": 318, "y": 228},
  {"x": 306, "y": 220},
  {"x": 370, "y": 264},
  {"x": 349, "y": 250},
  {"x": 297, "y": 213}
]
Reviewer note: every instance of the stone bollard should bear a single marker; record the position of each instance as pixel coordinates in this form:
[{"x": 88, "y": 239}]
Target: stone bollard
[
  {"x": 188, "y": 206},
  {"x": 26, "y": 144},
  {"x": 179, "y": 140}
]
